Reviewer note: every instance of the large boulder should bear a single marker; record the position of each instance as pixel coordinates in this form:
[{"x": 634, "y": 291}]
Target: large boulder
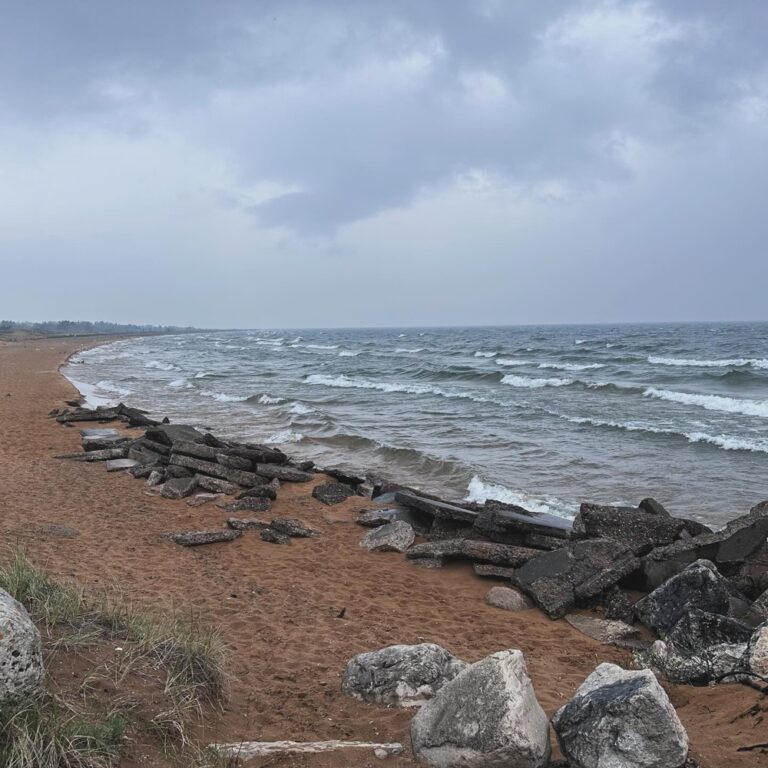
[
  {"x": 21, "y": 660},
  {"x": 698, "y": 586},
  {"x": 760, "y": 606},
  {"x": 728, "y": 547},
  {"x": 179, "y": 487},
  {"x": 473, "y": 550},
  {"x": 332, "y": 493},
  {"x": 698, "y": 630},
  {"x": 711, "y": 664},
  {"x": 400, "y": 675},
  {"x": 755, "y": 659},
  {"x": 621, "y": 719},
  {"x": 556, "y": 580},
  {"x": 487, "y": 717},
  {"x": 392, "y": 537}
]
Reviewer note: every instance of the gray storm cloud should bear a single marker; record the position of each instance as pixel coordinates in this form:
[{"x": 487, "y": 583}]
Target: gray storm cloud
[{"x": 346, "y": 163}]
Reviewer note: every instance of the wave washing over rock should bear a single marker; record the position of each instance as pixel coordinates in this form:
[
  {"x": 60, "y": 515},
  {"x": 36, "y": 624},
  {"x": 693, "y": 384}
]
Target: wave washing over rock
[{"x": 537, "y": 416}]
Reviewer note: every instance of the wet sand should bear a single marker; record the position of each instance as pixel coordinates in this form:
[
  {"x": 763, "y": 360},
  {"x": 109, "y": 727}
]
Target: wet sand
[{"x": 278, "y": 605}]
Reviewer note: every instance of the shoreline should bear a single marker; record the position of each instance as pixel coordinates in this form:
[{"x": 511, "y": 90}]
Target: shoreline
[{"x": 279, "y": 605}]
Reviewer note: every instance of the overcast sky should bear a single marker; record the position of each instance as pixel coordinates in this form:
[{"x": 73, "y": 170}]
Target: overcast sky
[{"x": 390, "y": 162}]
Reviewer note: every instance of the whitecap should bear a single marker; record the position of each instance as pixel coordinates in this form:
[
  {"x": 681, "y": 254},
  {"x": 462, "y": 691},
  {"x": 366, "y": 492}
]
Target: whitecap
[
  {"x": 525, "y": 383},
  {"x": 269, "y": 400},
  {"x": 321, "y": 346},
  {"x": 572, "y": 366},
  {"x": 284, "y": 436},
  {"x": 110, "y": 386},
  {"x": 509, "y": 362},
  {"x": 160, "y": 366},
  {"x": 712, "y": 402},
  {"x": 480, "y": 492},
  {"x": 735, "y": 362},
  {"x": 300, "y": 409},
  {"x": 223, "y": 397},
  {"x": 348, "y": 353},
  {"x": 407, "y": 351},
  {"x": 480, "y": 353},
  {"x": 179, "y": 383},
  {"x": 581, "y": 341}
]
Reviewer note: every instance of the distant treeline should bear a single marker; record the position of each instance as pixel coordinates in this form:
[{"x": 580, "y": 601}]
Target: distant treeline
[{"x": 85, "y": 328}]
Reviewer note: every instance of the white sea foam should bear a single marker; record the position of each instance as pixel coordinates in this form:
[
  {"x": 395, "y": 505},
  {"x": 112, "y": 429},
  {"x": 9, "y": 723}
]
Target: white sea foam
[
  {"x": 736, "y": 362},
  {"x": 712, "y": 402},
  {"x": 480, "y": 353},
  {"x": 110, "y": 386},
  {"x": 300, "y": 409},
  {"x": 201, "y": 374},
  {"x": 572, "y": 366},
  {"x": 284, "y": 436},
  {"x": 510, "y": 362},
  {"x": 524, "y": 382},
  {"x": 405, "y": 350},
  {"x": 269, "y": 400},
  {"x": 321, "y": 346},
  {"x": 348, "y": 353},
  {"x": 269, "y": 343},
  {"x": 160, "y": 366},
  {"x": 581, "y": 341},
  {"x": 222, "y": 397},
  {"x": 479, "y": 491},
  {"x": 180, "y": 383}
]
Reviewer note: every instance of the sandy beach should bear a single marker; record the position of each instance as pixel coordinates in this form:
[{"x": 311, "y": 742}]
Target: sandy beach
[{"x": 278, "y": 607}]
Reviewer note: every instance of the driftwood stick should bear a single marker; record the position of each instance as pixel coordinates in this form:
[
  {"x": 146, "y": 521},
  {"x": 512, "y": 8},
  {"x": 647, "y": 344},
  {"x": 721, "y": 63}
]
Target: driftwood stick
[{"x": 247, "y": 750}]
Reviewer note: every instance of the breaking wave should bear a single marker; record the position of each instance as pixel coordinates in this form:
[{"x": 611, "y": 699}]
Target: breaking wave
[
  {"x": 479, "y": 491},
  {"x": 526, "y": 383},
  {"x": 712, "y": 402},
  {"x": 682, "y": 362}
]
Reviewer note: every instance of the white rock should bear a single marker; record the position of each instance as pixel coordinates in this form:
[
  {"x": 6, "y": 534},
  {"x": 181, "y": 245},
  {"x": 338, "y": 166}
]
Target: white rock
[
  {"x": 756, "y": 655},
  {"x": 621, "y": 719},
  {"x": 507, "y": 598},
  {"x": 487, "y": 717},
  {"x": 21, "y": 660}
]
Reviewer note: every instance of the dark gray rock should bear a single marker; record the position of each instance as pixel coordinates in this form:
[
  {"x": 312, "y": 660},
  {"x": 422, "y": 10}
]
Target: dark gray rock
[
  {"x": 216, "y": 485},
  {"x": 332, "y": 493},
  {"x": 760, "y": 606},
  {"x": 471, "y": 549},
  {"x": 172, "y": 470},
  {"x": 292, "y": 527},
  {"x": 557, "y": 580},
  {"x": 438, "y": 509},
  {"x": 618, "y": 605},
  {"x": 199, "y": 538},
  {"x": 621, "y": 719},
  {"x": 212, "y": 469},
  {"x": 283, "y": 473},
  {"x": 247, "y": 524},
  {"x": 653, "y": 507},
  {"x": 156, "y": 477},
  {"x": 196, "y": 450},
  {"x": 168, "y": 434},
  {"x": 258, "y": 454},
  {"x": 275, "y": 537},
  {"x": 105, "y": 454},
  {"x": 698, "y": 586},
  {"x": 400, "y": 675},
  {"x": 203, "y": 498},
  {"x": 236, "y": 462},
  {"x": 486, "y": 570},
  {"x": 697, "y": 630},
  {"x": 249, "y": 504},
  {"x": 392, "y": 537},
  {"x": 504, "y": 522},
  {"x": 486, "y": 716},
  {"x": 265, "y": 491},
  {"x": 755, "y": 658},
  {"x": 372, "y": 518},
  {"x": 343, "y": 476},
  {"x": 178, "y": 487},
  {"x": 541, "y": 541},
  {"x": 715, "y": 663}
]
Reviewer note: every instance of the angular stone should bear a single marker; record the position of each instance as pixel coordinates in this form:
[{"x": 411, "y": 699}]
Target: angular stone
[
  {"x": 143, "y": 455},
  {"x": 486, "y": 717},
  {"x": 156, "y": 477},
  {"x": 247, "y": 524},
  {"x": 476, "y": 551},
  {"x": 236, "y": 462},
  {"x": 392, "y": 537},
  {"x": 716, "y": 663},
  {"x": 168, "y": 434},
  {"x": 249, "y": 504},
  {"x": 292, "y": 527},
  {"x": 332, "y": 493},
  {"x": 438, "y": 509},
  {"x": 203, "y": 498},
  {"x": 216, "y": 485},
  {"x": 755, "y": 658},
  {"x": 487, "y": 570},
  {"x": 372, "y": 518},
  {"x": 104, "y": 454},
  {"x": 198, "y": 538},
  {"x": 21, "y": 661},
  {"x": 760, "y": 606},
  {"x": 283, "y": 473},
  {"x": 541, "y": 541},
  {"x": 179, "y": 487},
  {"x": 653, "y": 507},
  {"x": 215, "y": 470},
  {"x": 258, "y": 454},
  {"x": 172, "y": 470},
  {"x": 197, "y": 450},
  {"x": 504, "y": 522},
  {"x": 508, "y": 599},
  {"x": 266, "y": 491},
  {"x": 103, "y": 443},
  {"x": 400, "y": 675},
  {"x": 698, "y": 630},
  {"x": 698, "y": 586},
  {"x": 556, "y": 580},
  {"x": 116, "y": 465},
  {"x": 343, "y": 476},
  {"x": 621, "y": 719},
  {"x": 607, "y": 631},
  {"x": 275, "y": 537}
]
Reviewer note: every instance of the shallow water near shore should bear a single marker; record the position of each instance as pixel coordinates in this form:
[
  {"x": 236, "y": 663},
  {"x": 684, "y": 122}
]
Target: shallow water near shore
[{"x": 544, "y": 416}]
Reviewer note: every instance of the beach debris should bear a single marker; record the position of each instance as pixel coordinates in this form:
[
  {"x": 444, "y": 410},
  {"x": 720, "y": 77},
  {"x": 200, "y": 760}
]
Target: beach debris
[
  {"x": 556, "y": 580},
  {"x": 437, "y": 509},
  {"x": 343, "y": 476},
  {"x": 698, "y": 586},
  {"x": 21, "y": 660},
  {"x": 116, "y": 465},
  {"x": 400, "y": 675},
  {"x": 292, "y": 527},
  {"x": 622, "y": 718},
  {"x": 102, "y": 443},
  {"x": 392, "y": 537},
  {"x": 474, "y": 550},
  {"x": 104, "y": 454},
  {"x": 203, "y": 498},
  {"x": 332, "y": 493},
  {"x": 216, "y": 485},
  {"x": 372, "y": 518},
  {"x": 511, "y": 524},
  {"x": 248, "y": 504},
  {"x": 199, "y": 538},
  {"x": 487, "y": 715},
  {"x": 156, "y": 477},
  {"x": 486, "y": 570},
  {"x": 168, "y": 434},
  {"x": 238, "y": 476},
  {"x": 247, "y": 750},
  {"x": 235, "y": 462},
  {"x": 274, "y": 537},
  {"x": 247, "y": 524},
  {"x": 179, "y": 487},
  {"x": 607, "y": 631},
  {"x": 508, "y": 599}
]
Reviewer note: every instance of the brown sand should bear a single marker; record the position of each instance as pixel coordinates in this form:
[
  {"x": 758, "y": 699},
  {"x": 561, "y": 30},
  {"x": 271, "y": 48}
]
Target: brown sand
[{"x": 278, "y": 605}]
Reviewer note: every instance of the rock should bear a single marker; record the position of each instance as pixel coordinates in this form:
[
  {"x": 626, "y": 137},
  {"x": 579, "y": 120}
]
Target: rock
[
  {"x": 332, "y": 493},
  {"x": 103, "y": 455},
  {"x": 246, "y": 524},
  {"x": 715, "y": 663},
  {"x": 636, "y": 529},
  {"x": 760, "y": 606},
  {"x": 249, "y": 504},
  {"x": 372, "y": 518},
  {"x": 21, "y": 660},
  {"x": 292, "y": 527},
  {"x": 487, "y": 570},
  {"x": 557, "y": 580},
  {"x": 215, "y": 485},
  {"x": 486, "y": 716},
  {"x": 698, "y": 630},
  {"x": 236, "y": 462},
  {"x": 168, "y": 434},
  {"x": 179, "y": 487},
  {"x": 400, "y": 675},
  {"x": 508, "y": 599},
  {"x": 471, "y": 549},
  {"x": 698, "y": 586},
  {"x": 392, "y": 537},
  {"x": 98, "y": 434},
  {"x": 104, "y": 443},
  {"x": 174, "y": 471},
  {"x": 542, "y": 541},
  {"x": 282, "y": 473},
  {"x": 239, "y": 476},
  {"x": 143, "y": 455},
  {"x": 203, "y": 498},
  {"x": 144, "y": 470},
  {"x": 507, "y": 522},
  {"x": 729, "y": 547},
  {"x": 266, "y": 491},
  {"x": 275, "y": 537},
  {"x": 621, "y": 719},
  {"x": 117, "y": 465},
  {"x": 618, "y": 605},
  {"x": 198, "y": 538},
  {"x": 437, "y": 509},
  {"x": 258, "y": 454},
  {"x": 755, "y": 658},
  {"x": 88, "y": 414},
  {"x": 428, "y": 562},
  {"x": 197, "y": 450},
  {"x": 653, "y": 507},
  {"x": 606, "y": 631},
  {"x": 343, "y": 476},
  {"x": 156, "y": 477}
]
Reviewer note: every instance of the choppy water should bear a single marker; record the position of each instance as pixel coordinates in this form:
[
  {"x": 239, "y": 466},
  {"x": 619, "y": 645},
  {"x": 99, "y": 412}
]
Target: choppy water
[{"x": 542, "y": 416}]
